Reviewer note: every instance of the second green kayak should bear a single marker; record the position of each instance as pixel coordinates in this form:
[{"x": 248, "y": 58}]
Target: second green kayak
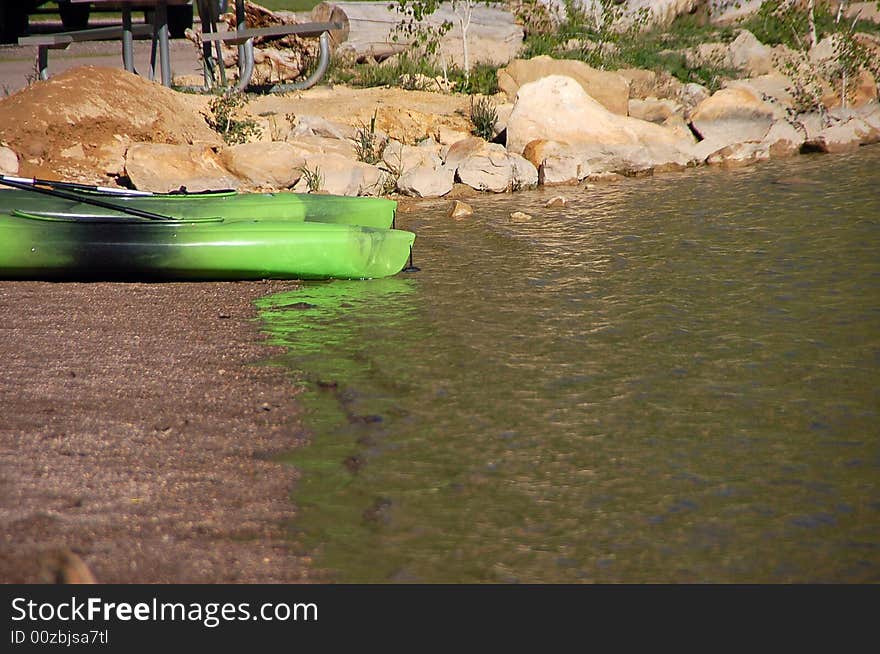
[{"x": 232, "y": 207}]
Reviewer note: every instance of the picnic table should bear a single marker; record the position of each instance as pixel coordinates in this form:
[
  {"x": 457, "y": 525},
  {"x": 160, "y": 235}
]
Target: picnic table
[{"x": 209, "y": 15}]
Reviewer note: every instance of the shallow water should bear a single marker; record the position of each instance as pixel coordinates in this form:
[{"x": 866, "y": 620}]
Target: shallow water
[{"x": 672, "y": 379}]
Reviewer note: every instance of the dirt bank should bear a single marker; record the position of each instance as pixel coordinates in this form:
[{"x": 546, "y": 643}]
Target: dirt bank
[{"x": 136, "y": 432}]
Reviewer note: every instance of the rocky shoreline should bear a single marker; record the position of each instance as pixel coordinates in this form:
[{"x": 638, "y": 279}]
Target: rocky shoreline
[{"x": 553, "y": 121}]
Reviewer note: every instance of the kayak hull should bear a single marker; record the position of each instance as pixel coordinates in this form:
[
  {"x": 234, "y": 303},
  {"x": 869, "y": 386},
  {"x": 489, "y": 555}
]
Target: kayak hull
[{"x": 213, "y": 249}]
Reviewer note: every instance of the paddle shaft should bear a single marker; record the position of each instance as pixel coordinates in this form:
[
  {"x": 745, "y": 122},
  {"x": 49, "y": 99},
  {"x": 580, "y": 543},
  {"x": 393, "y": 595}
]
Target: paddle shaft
[
  {"x": 124, "y": 192},
  {"x": 74, "y": 186},
  {"x": 79, "y": 198}
]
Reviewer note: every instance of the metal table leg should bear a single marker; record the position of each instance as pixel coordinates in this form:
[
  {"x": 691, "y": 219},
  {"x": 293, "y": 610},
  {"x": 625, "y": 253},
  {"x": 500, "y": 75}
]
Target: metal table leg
[
  {"x": 127, "y": 40},
  {"x": 164, "y": 48}
]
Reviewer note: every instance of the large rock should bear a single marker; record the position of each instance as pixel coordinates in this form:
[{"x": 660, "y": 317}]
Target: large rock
[
  {"x": 746, "y": 53},
  {"x": 405, "y": 158},
  {"x": 566, "y": 163},
  {"x": 839, "y": 138},
  {"x": 8, "y": 161},
  {"x": 492, "y": 168},
  {"x": 774, "y": 88},
  {"x": 609, "y": 89},
  {"x": 313, "y": 144},
  {"x": 557, "y": 108},
  {"x": 340, "y": 175},
  {"x": 740, "y": 154},
  {"x": 162, "y": 168},
  {"x": 783, "y": 140},
  {"x": 733, "y": 115},
  {"x": 845, "y": 136},
  {"x": 653, "y": 110},
  {"x": 275, "y": 165},
  {"x": 427, "y": 181}
]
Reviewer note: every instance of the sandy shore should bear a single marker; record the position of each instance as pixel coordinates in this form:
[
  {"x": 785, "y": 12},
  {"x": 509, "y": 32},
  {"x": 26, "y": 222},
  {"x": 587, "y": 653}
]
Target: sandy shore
[{"x": 136, "y": 433}]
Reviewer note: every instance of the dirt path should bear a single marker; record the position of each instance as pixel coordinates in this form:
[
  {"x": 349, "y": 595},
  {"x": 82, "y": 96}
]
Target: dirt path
[{"x": 136, "y": 432}]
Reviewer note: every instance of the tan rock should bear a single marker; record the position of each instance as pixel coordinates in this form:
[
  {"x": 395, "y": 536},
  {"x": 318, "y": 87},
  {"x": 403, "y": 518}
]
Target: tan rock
[
  {"x": 641, "y": 82},
  {"x": 494, "y": 169},
  {"x": 748, "y": 54},
  {"x": 839, "y": 138},
  {"x": 740, "y": 154},
  {"x": 324, "y": 145},
  {"x": 733, "y": 114},
  {"x": 339, "y": 175},
  {"x": 427, "y": 181},
  {"x": 783, "y": 140},
  {"x": 609, "y": 89},
  {"x": 520, "y": 217},
  {"x": 163, "y": 168},
  {"x": 275, "y": 165},
  {"x": 404, "y": 158},
  {"x": 461, "y": 150},
  {"x": 557, "y": 108},
  {"x": 556, "y": 201},
  {"x": 8, "y": 161},
  {"x": 460, "y": 209},
  {"x": 653, "y": 109}
]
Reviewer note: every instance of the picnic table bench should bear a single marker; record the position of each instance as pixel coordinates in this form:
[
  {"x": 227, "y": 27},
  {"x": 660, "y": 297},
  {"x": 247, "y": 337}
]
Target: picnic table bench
[{"x": 208, "y": 11}]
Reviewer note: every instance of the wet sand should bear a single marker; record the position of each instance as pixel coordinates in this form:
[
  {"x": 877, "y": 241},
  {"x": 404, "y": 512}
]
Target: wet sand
[{"x": 137, "y": 432}]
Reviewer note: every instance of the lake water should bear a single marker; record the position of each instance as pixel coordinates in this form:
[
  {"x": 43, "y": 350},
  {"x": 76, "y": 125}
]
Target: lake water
[{"x": 671, "y": 379}]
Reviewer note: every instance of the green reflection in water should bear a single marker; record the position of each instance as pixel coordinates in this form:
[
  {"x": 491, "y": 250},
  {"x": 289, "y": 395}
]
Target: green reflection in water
[{"x": 672, "y": 379}]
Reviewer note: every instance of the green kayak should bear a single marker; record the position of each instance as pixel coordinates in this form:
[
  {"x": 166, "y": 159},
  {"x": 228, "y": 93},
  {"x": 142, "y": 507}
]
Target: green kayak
[
  {"x": 231, "y": 206},
  {"x": 100, "y": 246}
]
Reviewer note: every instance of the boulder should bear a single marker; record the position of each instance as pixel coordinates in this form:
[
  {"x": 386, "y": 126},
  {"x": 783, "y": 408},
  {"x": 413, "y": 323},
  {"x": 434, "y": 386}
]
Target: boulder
[
  {"x": 610, "y": 89},
  {"x": 275, "y": 165},
  {"x": 642, "y": 82},
  {"x": 811, "y": 124},
  {"x": 747, "y": 54},
  {"x": 772, "y": 87},
  {"x": 739, "y": 154},
  {"x": 161, "y": 168},
  {"x": 733, "y": 115},
  {"x": 783, "y": 140},
  {"x": 557, "y": 108},
  {"x": 324, "y": 145},
  {"x": 692, "y": 94},
  {"x": 339, "y": 175},
  {"x": 461, "y": 150},
  {"x": 8, "y": 161},
  {"x": 653, "y": 109},
  {"x": 565, "y": 163},
  {"x": 839, "y": 138},
  {"x": 492, "y": 168},
  {"x": 404, "y": 158},
  {"x": 427, "y": 181}
]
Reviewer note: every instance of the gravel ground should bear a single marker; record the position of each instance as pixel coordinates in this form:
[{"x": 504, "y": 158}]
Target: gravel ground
[{"x": 137, "y": 435}]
